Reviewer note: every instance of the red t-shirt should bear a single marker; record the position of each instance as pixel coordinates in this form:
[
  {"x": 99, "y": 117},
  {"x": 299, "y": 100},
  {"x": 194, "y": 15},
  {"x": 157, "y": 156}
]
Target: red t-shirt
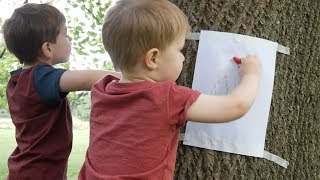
[{"x": 134, "y": 129}]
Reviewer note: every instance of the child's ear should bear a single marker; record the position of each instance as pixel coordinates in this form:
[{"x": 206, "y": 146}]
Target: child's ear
[
  {"x": 151, "y": 58},
  {"x": 46, "y": 50}
]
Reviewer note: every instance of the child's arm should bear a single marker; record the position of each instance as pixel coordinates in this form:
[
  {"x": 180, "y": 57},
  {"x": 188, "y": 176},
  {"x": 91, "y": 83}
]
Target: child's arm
[
  {"x": 216, "y": 109},
  {"x": 82, "y": 80}
]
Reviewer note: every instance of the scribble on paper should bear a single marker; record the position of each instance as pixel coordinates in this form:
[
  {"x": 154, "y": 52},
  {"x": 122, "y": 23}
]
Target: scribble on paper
[{"x": 226, "y": 79}]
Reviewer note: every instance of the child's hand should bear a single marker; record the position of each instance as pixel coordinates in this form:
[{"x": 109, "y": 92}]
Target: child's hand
[{"x": 250, "y": 65}]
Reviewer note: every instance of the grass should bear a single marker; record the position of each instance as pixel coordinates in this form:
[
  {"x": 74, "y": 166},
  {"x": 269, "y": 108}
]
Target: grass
[{"x": 76, "y": 159}]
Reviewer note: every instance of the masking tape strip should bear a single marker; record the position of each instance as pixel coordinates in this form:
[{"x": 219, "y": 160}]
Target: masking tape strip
[
  {"x": 283, "y": 49},
  {"x": 196, "y": 36},
  {"x": 193, "y": 36},
  {"x": 181, "y": 136},
  {"x": 266, "y": 155},
  {"x": 276, "y": 159}
]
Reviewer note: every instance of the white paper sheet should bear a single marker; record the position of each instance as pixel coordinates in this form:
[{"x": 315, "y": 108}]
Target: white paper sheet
[{"x": 216, "y": 73}]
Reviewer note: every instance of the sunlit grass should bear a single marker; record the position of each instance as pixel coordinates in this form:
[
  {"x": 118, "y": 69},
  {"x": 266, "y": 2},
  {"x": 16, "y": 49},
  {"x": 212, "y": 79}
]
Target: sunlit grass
[
  {"x": 7, "y": 145},
  {"x": 80, "y": 144}
]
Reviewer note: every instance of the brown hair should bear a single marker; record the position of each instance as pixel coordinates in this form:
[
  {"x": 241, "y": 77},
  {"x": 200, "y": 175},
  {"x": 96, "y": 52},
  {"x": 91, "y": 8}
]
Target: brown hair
[
  {"x": 131, "y": 28},
  {"x": 29, "y": 27}
]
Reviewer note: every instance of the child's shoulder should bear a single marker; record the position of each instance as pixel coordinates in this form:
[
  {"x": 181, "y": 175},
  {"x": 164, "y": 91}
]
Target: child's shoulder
[
  {"x": 31, "y": 69},
  {"x": 176, "y": 87},
  {"x": 44, "y": 70},
  {"x": 103, "y": 82}
]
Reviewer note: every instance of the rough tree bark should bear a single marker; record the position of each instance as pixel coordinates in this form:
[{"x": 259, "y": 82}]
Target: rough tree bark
[{"x": 294, "y": 122}]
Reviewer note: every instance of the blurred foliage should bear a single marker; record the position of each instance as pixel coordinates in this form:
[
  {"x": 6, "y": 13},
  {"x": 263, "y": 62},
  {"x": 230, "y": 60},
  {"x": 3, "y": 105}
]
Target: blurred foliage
[
  {"x": 7, "y": 63},
  {"x": 81, "y": 105},
  {"x": 85, "y": 29}
]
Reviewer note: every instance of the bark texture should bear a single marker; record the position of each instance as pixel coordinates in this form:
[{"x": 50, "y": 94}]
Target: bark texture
[{"x": 294, "y": 122}]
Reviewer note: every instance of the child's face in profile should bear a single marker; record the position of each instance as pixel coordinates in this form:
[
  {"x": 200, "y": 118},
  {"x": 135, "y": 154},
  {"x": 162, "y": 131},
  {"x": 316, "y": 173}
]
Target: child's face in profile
[
  {"x": 171, "y": 59},
  {"x": 62, "y": 48}
]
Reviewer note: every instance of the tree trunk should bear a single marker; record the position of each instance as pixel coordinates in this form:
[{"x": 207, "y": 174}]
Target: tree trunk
[{"x": 294, "y": 122}]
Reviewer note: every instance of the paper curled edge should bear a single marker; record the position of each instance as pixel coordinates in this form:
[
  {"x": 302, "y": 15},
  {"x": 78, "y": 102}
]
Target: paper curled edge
[
  {"x": 281, "y": 48},
  {"x": 266, "y": 155}
]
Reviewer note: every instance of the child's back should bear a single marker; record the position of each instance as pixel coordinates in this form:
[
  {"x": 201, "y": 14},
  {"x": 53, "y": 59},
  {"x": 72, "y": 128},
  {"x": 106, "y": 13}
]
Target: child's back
[
  {"x": 135, "y": 121},
  {"x": 39, "y": 111},
  {"x": 38, "y": 122},
  {"x": 139, "y": 123},
  {"x": 37, "y": 35}
]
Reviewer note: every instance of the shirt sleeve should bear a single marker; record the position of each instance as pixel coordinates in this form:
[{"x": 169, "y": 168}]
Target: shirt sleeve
[
  {"x": 180, "y": 100},
  {"x": 46, "y": 79}
]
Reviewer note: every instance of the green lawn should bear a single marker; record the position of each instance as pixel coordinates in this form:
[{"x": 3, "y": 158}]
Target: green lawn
[{"x": 80, "y": 144}]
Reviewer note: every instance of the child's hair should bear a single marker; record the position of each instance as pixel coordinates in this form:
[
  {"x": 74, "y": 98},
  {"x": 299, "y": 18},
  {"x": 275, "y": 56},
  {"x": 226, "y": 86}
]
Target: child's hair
[
  {"x": 29, "y": 27},
  {"x": 131, "y": 28}
]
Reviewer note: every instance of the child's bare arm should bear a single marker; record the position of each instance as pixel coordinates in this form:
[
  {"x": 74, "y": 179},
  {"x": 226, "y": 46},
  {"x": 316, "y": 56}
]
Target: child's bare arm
[
  {"x": 217, "y": 109},
  {"x": 82, "y": 80}
]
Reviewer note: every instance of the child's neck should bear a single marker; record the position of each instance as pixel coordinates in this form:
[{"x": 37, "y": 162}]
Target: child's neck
[
  {"x": 132, "y": 78},
  {"x": 26, "y": 66}
]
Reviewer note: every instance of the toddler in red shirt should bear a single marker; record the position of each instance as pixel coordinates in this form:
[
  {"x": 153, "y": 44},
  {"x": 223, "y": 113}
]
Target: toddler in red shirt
[{"x": 135, "y": 120}]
